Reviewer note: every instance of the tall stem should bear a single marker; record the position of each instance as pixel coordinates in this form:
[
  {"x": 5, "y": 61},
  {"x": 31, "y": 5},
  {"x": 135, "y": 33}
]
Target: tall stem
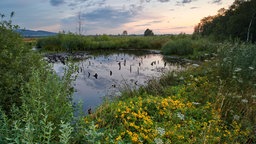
[{"x": 249, "y": 28}]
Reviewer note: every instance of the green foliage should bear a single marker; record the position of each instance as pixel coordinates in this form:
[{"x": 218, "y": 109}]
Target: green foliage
[
  {"x": 71, "y": 42},
  {"x": 93, "y": 136},
  {"x": 236, "y": 22},
  {"x": 192, "y": 48},
  {"x": 45, "y": 114},
  {"x": 237, "y": 70},
  {"x": 178, "y": 47},
  {"x": 238, "y": 63},
  {"x": 35, "y": 104},
  {"x": 186, "y": 116},
  {"x": 148, "y": 32},
  {"x": 200, "y": 105},
  {"x": 16, "y": 62}
]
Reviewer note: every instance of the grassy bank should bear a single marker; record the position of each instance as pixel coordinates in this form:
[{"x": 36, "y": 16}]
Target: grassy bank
[
  {"x": 72, "y": 42},
  {"x": 181, "y": 45},
  {"x": 213, "y": 103}
]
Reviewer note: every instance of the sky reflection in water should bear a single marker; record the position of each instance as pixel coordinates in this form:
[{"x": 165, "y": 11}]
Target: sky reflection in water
[{"x": 113, "y": 72}]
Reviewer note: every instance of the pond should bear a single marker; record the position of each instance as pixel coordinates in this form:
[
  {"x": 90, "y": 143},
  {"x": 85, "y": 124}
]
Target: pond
[{"x": 104, "y": 74}]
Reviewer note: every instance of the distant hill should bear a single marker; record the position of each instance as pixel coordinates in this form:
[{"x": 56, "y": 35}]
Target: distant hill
[{"x": 31, "y": 33}]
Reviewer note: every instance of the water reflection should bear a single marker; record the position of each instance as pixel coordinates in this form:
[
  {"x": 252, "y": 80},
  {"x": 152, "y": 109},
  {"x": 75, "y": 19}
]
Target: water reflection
[{"x": 105, "y": 74}]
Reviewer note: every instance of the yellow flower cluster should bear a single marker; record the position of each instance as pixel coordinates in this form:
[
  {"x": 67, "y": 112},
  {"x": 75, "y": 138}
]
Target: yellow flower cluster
[{"x": 136, "y": 121}]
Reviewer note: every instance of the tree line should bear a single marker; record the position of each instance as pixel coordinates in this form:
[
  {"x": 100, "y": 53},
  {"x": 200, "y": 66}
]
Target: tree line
[{"x": 236, "y": 22}]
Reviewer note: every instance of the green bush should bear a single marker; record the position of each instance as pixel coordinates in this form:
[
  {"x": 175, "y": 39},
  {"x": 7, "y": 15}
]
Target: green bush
[
  {"x": 46, "y": 112},
  {"x": 16, "y": 62},
  {"x": 72, "y": 42},
  {"x": 178, "y": 47},
  {"x": 35, "y": 104},
  {"x": 238, "y": 63}
]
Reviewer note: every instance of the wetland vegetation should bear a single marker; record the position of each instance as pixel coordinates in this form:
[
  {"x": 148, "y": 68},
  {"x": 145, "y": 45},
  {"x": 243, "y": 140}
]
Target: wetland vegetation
[{"x": 214, "y": 102}]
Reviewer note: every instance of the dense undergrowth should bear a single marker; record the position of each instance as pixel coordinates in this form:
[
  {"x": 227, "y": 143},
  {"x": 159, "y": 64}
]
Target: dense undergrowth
[
  {"x": 211, "y": 103},
  {"x": 72, "y": 42}
]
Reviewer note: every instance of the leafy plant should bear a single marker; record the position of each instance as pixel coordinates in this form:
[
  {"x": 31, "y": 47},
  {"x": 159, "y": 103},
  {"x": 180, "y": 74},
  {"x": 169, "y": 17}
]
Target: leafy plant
[
  {"x": 16, "y": 62},
  {"x": 178, "y": 47}
]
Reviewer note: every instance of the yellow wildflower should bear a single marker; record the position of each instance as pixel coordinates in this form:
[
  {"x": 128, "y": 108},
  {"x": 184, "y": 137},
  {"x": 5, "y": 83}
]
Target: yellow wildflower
[
  {"x": 135, "y": 137},
  {"x": 118, "y": 138}
]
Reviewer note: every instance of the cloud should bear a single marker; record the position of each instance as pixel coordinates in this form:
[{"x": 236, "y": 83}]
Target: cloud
[
  {"x": 180, "y": 27},
  {"x": 102, "y": 19},
  {"x": 85, "y": 3},
  {"x": 56, "y": 2},
  {"x": 163, "y": 0},
  {"x": 182, "y": 2},
  {"x": 186, "y": 1},
  {"x": 194, "y": 7},
  {"x": 149, "y": 23},
  {"x": 143, "y": 25},
  {"x": 108, "y": 16},
  {"x": 216, "y": 1},
  {"x": 134, "y": 9}
]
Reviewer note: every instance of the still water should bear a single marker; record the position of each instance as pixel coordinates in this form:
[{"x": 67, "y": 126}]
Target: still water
[{"x": 105, "y": 74}]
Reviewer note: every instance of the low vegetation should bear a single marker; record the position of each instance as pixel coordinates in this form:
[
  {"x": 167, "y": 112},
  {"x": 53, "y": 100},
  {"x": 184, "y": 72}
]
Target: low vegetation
[
  {"x": 205, "y": 104},
  {"x": 211, "y": 103},
  {"x": 72, "y": 42}
]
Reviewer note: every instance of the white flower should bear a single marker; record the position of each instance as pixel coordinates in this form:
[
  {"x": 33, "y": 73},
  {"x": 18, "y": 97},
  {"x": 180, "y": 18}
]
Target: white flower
[
  {"x": 181, "y": 116},
  {"x": 181, "y": 78},
  {"x": 196, "y": 103},
  {"x": 237, "y": 69},
  {"x": 195, "y": 65},
  {"x": 158, "y": 141},
  {"x": 240, "y": 80},
  {"x": 251, "y": 68},
  {"x": 175, "y": 75},
  {"x": 253, "y": 96},
  {"x": 214, "y": 54},
  {"x": 160, "y": 131},
  {"x": 244, "y": 100},
  {"x": 236, "y": 117},
  {"x": 237, "y": 96}
]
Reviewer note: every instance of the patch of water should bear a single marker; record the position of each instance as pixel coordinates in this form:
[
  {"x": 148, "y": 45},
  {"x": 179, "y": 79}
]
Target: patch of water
[{"x": 105, "y": 75}]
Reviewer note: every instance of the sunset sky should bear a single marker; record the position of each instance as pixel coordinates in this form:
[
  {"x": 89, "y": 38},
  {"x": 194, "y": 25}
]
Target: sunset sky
[{"x": 111, "y": 16}]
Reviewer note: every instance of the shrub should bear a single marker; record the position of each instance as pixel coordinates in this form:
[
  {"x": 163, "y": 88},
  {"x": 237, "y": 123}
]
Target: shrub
[
  {"x": 46, "y": 112},
  {"x": 238, "y": 63},
  {"x": 35, "y": 104},
  {"x": 71, "y": 42},
  {"x": 178, "y": 47},
  {"x": 16, "y": 62},
  {"x": 236, "y": 69}
]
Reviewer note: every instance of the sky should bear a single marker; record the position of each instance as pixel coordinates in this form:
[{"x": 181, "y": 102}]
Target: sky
[{"x": 111, "y": 16}]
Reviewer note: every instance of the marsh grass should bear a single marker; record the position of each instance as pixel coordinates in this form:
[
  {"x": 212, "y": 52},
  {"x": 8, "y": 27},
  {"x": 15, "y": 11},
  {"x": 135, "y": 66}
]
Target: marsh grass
[
  {"x": 178, "y": 47},
  {"x": 72, "y": 42},
  {"x": 199, "y": 105},
  {"x": 211, "y": 103},
  {"x": 199, "y": 49}
]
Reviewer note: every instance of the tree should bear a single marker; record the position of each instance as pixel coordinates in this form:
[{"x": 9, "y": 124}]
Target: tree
[
  {"x": 148, "y": 32},
  {"x": 236, "y": 22},
  {"x": 125, "y": 33}
]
